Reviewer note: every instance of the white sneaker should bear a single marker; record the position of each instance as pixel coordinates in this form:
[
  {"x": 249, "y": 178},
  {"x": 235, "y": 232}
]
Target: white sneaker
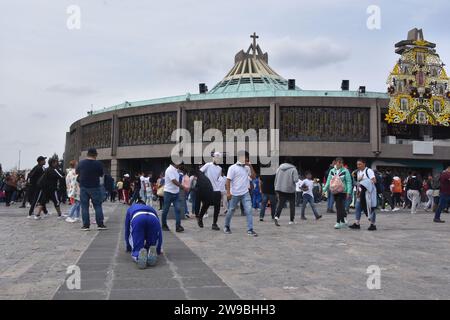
[
  {"x": 205, "y": 216},
  {"x": 29, "y": 217},
  {"x": 395, "y": 209},
  {"x": 64, "y": 215},
  {"x": 69, "y": 219},
  {"x": 382, "y": 210},
  {"x": 292, "y": 222},
  {"x": 37, "y": 217}
]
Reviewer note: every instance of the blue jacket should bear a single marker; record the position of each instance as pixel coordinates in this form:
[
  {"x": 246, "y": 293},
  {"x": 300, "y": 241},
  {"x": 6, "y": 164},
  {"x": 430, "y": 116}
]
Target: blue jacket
[{"x": 135, "y": 208}]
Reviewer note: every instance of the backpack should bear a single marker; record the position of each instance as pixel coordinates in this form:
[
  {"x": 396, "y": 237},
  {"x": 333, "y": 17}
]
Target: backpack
[
  {"x": 203, "y": 184},
  {"x": 379, "y": 184},
  {"x": 43, "y": 180},
  {"x": 336, "y": 184}
]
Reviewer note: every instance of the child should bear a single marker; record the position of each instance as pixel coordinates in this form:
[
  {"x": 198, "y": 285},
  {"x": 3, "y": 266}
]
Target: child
[{"x": 143, "y": 234}]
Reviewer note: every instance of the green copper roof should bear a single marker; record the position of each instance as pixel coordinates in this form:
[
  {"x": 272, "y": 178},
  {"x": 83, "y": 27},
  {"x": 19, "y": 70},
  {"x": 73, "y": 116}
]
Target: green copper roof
[
  {"x": 246, "y": 94},
  {"x": 251, "y": 72}
]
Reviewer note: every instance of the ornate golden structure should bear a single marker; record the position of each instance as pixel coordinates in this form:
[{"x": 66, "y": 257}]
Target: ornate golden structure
[{"x": 418, "y": 84}]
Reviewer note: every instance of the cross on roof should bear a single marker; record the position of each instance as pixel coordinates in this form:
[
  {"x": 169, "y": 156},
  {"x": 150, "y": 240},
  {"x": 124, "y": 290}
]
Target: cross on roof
[{"x": 254, "y": 36}]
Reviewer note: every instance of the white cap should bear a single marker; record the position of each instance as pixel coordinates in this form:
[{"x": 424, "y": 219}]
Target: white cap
[
  {"x": 126, "y": 175},
  {"x": 217, "y": 155}
]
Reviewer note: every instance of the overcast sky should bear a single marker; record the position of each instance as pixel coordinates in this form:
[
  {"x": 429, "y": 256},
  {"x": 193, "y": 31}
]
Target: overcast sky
[{"x": 135, "y": 50}]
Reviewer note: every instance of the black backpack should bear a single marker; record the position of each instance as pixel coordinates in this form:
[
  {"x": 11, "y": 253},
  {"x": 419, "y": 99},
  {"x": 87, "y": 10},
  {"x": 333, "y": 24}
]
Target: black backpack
[
  {"x": 43, "y": 180},
  {"x": 203, "y": 184}
]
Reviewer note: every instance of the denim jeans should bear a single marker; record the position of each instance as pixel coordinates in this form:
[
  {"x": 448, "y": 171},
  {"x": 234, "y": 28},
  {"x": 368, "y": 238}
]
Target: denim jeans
[
  {"x": 246, "y": 200},
  {"x": 273, "y": 205},
  {"x": 75, "y": 210},
  {"x": 358, "y": 212},
  {"x": 330, "y": 201},
  {"x": 307, "y": 198},
  {"x": 94, "y": 194},
  {"x": 171, "y": 198},
  {"x": 444, "y": 200}
]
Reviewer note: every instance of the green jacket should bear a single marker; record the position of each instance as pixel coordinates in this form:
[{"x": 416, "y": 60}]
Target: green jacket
[{"x": 346, "y": 180}]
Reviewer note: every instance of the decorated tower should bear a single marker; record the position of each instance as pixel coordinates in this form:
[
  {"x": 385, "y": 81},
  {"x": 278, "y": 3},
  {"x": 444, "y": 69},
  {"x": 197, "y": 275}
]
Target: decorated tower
[{"x": 418, "y": 85}]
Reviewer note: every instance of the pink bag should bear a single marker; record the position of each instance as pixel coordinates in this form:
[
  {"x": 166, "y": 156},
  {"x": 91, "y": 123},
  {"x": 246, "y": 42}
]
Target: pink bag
[{"x": 336, "y": 185}]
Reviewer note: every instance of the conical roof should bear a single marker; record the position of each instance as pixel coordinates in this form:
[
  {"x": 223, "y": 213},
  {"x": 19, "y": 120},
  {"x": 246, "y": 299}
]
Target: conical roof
[{"x": 251, "y": 72}]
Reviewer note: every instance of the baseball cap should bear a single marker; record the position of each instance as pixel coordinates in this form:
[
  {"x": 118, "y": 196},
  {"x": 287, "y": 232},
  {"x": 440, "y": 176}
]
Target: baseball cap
[
  {"x": 92, "y": 151},
  {"x": 41, "y": 158},
  {"x": 126, "y": 175}
]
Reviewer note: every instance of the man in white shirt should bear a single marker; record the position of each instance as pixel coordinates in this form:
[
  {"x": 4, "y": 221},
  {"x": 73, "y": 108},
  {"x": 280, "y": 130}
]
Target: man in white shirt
[
  {"x": 308, "y": 196},
  {"x": 238, "y": 184},
  {"x": 172, "y": 187},
  {"x": 363, "y": 173},
  {"x": 214, "y": 173}
]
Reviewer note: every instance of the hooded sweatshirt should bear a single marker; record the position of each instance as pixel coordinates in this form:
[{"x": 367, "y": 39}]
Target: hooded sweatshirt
[{"x": 286, "y": 178}]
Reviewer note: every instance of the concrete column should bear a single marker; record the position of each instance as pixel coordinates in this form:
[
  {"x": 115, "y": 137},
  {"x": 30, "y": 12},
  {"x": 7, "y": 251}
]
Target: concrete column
[
  {"x": 115, "y": 170},
  {"x": 114, "y": 135}
]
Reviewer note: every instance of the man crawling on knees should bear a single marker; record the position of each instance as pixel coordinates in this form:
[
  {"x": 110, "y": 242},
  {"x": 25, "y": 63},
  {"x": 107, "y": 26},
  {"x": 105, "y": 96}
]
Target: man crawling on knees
[{"x": 143, "y": 234}]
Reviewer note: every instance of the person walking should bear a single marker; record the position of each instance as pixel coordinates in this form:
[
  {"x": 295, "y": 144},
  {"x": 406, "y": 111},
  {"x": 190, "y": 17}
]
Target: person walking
[
  {"x": 33, "y": 189},
  {"x": 48, "y": 184},
  {"x": 339, "y": 183},
  {"x": 267, "y": 185},
  {"x": 330, "y": 196},
  {"x": 444, "y": 194},
  {"x": 308, "y": 196},
  {"x": 10, "y": 188},
  {"x": 428, "y": 184},
  {"x": 238, "y": 185},
  {"x": 90, "y": 170},
  {"x": 396, "y": 188},
  {"x": 223, "y": 191},
  {"x": 413, "y": 194},
  {"x": 366, "y": 195},
  {"x": 285, "y": 184},
  {"x": 73, "y": 192},
  {"x": 172, "y": 187},
  {"x": 214, "y": 173}
]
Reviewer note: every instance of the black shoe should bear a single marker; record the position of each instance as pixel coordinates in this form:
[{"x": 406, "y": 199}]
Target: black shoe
[
  {"x": 22, "y": 207},
  {"x": 179, "y": 229},
  {"x": 276, "y": 223},
  {"x": 215, "y": 227},
  {"x": 85, "y": 228},
  {"x": 319, "y": 217},
  {"x": 261, "y": 219},
  {"x": 438, "y": 221},
  {"x": 102, "y": 227},
  {"x": 227, "y": 230},
  {"x": 355, "y": 226},
  {"x": 165, "y": 227},
  {"x": 372, "y": 227},
  {"x": 252, "y": 233},
  {"x": 200, "y": 222},
  {"x": 304, "y": 218}
]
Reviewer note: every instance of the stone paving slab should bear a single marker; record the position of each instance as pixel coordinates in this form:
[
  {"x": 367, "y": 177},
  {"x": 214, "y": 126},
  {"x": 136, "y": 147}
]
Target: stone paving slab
[
  {"x": 107, "y": 271},
  {"x": 311, "y": 260},
  {"x": 35, "y": 254}
]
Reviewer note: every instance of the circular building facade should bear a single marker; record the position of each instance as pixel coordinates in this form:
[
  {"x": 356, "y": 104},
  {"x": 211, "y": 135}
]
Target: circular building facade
[{"x": 314, "y": 126}]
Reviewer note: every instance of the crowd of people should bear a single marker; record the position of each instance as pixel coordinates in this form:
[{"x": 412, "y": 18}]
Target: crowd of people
[
  {"x": 85, "y": 185},
  {"x": 191, "y": 190}
]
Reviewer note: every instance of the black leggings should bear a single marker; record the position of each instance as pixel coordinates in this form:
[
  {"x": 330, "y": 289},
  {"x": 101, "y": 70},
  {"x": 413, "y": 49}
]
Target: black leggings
[
  {"x": 284, "y": 197},
  {"x": 206, "y": 201},
  {"x": 340, "y": 207}
]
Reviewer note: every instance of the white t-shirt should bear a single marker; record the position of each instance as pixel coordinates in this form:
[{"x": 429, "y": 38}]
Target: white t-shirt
[
  {"x": 310, "y": 185},
  {"x": 142, "y": 179},
  {"x": 171, "y": 174},
  {"x": 365, "y": 173},
  {"x": 239, "y": 176},
  {"x": 222, "y": 182},
  {"x": 213, "y": 172},
  {"x": 298, "y": 185},
  {"x": 146, "y": 182}
]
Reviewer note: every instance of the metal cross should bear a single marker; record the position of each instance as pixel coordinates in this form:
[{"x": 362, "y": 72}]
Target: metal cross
[{"x": 254, "y": 36}]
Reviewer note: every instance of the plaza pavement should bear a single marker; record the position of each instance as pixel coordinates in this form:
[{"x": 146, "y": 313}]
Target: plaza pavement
[{"x": 309, "y": 260}]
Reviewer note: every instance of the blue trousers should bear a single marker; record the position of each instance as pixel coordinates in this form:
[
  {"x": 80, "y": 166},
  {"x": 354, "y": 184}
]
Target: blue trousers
[
  {"x": 444, "y": 200},
  {"x": 330, "y": 201},
  {"x": 144, "y": 233},
  {"x": 170, "y": 198},
  {"x": 247, "y": 203},
  {"x": 94, "y": 194}
]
